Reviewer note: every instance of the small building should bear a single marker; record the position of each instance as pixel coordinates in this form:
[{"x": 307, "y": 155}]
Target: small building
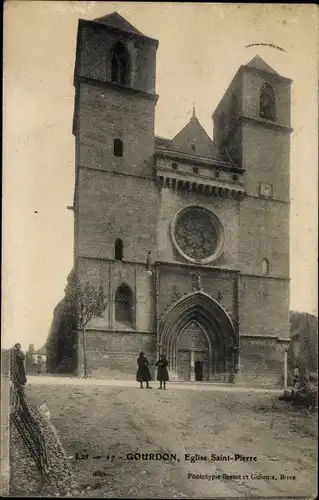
[
  {"x": 40, "y": 352},
  {"x": 32, "y": 359}
]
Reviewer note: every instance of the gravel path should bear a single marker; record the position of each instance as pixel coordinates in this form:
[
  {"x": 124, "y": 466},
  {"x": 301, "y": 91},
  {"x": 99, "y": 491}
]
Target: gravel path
[
  {"x": 97, "y": 382},
  {"x": 108, "y": 421}
]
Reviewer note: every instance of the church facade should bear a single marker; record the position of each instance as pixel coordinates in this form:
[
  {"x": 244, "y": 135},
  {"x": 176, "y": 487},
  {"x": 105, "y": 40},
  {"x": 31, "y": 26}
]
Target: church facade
[{"x": 189, "y": 236}]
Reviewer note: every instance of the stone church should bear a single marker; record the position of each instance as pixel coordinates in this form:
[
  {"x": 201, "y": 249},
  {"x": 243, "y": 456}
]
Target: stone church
[{"x": 189, "y": 236}]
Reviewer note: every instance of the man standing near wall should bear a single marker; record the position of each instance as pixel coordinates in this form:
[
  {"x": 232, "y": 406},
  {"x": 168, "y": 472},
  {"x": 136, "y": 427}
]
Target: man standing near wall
[{"x": 18, "y": 371}]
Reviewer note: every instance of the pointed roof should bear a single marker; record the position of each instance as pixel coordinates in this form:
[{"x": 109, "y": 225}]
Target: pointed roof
[
  {"x": 42, "y": 351},
  {"x": 194, "y": 139},
  {"x": 115, "y": 20},
  {"x": 258, "y": 63}
]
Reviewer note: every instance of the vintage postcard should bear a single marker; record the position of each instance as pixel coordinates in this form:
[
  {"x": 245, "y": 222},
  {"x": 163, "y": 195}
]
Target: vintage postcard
[{"x": 159, "y": 314}]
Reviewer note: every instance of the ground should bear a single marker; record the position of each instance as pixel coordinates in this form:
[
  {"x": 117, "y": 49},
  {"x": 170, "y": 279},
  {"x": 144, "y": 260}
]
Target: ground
[{"x": 96, "y": 419}]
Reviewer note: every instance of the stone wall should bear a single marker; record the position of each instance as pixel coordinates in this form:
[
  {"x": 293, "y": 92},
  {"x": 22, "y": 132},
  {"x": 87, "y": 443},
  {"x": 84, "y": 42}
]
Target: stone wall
[
  {"x": 111, "y": 207},
  {"x": 108, "y": 114},
  {"x": 226, "y": 210},
  {"x": 264, "y": 233},
  {"x": 114, "y": 354},
  {"x": 5, "y": 422},
  {"x": 175, "y": 282},
  {"x": 95, "y": 42},
  {"x": 262, "y": 362},
  {"x": 264, "y": 306},
  {"x": 112, "y": 275}
]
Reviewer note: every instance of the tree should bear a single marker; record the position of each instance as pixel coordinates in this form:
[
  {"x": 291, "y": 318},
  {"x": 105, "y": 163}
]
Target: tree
[
  {"x": 86, "y": 302},
  {"x": 303, "y": 328}
]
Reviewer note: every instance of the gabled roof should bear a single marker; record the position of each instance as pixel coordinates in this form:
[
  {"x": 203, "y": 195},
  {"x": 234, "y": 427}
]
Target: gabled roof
[
  {"x": 162, "y": 141},
  {"x": 115, "y": 20},
  {"x": 42, "y": 351},
  {"x": 194, "y": 133},
  {"x": 258, "y": 63}
]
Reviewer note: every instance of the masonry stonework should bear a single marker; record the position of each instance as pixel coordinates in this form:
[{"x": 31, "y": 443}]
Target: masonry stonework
[{"x": 216, "y": 303}]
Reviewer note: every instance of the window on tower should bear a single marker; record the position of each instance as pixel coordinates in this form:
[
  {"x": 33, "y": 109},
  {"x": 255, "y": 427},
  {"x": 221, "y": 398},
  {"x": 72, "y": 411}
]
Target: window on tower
[
  {"x": 265, "y": 267},
  {"x": 118, "y": 147},
  {"x": 118, "y": 250},
  {"x": 267, "y": 102},
  {"x": 120, "y": 64},
  {"x": 123, "y": 304}
]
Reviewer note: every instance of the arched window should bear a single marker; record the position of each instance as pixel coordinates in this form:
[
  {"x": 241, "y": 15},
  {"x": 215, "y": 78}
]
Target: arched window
[
  {"x": 123, "y": 305},
  {"x": 267, "y": 102},
  {"x": 118, "y": 249},
  {"x": 120, "y": 64},
  {"x": 118, "y": 147},
  {"x": 265, "y": 267}
]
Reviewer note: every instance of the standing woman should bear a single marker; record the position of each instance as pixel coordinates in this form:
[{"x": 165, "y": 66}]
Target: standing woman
[
  {"x": 18, "y": 371},
  {"x": 162, "y": 372},
  {"x": 143, "y": 372},
  {"x": 39, "y": 365}
]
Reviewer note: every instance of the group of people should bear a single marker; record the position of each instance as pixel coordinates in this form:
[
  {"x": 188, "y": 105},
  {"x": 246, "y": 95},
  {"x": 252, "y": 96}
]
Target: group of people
[{"x": 144, "y": 375}]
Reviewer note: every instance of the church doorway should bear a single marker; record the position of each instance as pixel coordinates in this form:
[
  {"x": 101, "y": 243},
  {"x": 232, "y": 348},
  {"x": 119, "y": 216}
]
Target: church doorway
[
  {"x": 194, "y": 359},
  {"x": 198, "y": 371},
  {"x": 199, "y": 340}
]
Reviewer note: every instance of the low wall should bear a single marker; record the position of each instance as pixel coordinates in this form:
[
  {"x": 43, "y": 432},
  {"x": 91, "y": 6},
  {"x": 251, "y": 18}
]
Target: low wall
[
  {"x": 261, "y": 363},
  {"x": 114, "y": 354},
  {"x": 5, "y": 423}
]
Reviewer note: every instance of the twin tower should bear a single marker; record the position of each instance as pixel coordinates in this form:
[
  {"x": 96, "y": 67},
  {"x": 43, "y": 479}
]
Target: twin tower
[{"x": 189, "y": 236}]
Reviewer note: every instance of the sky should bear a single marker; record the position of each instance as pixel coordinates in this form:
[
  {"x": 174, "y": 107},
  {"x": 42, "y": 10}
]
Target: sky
[{"x": 201, "y": 46}]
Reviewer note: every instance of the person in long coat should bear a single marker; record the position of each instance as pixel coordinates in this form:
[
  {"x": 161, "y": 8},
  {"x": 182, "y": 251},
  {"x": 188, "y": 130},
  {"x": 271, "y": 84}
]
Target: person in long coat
[
  {"x": 18, "y": 373},
  {"x": 162, "y": 371},
  {"x": 39, "y": 365},
  {"x": 143, "y": 372}
]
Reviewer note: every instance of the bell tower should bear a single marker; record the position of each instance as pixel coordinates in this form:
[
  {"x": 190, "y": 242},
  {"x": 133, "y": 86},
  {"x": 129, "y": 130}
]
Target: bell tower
[
  {"x": 253, "y": 122},
  {"x": 113, "y": 126}
]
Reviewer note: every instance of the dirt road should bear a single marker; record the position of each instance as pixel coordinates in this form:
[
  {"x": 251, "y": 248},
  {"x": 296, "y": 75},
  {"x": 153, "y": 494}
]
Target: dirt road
[{"x": 119, "y": 421}]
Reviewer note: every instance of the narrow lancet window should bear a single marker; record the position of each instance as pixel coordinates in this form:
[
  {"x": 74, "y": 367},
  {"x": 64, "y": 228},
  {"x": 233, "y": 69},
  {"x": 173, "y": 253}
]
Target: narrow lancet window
[
  {"x": 123, "y": 305},
  {"x": 265, "y": 267},
  {"x": 120, "y": 64},
  {"x": 267, "y": 102},
  {"x": 118, "y": 249}
]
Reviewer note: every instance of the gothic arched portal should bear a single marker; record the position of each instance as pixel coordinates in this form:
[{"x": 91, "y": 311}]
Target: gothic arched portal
[{"x": 199, "y": 339}]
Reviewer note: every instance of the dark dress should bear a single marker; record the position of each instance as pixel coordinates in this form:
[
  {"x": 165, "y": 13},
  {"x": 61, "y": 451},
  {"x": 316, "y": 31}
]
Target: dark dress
[
  {"x": 162, "y": 372},
  {"x": 143, "y": 372},
  {"x": 18, "y": 373}
]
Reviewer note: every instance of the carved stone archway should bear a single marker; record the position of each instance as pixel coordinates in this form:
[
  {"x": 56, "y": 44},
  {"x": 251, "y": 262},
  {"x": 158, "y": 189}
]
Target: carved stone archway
[{"x": 202, "y": 309}]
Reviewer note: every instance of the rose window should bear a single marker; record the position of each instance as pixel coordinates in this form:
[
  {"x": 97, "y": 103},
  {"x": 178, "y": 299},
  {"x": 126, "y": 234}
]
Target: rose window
[{"x": 197, "y": 234}]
